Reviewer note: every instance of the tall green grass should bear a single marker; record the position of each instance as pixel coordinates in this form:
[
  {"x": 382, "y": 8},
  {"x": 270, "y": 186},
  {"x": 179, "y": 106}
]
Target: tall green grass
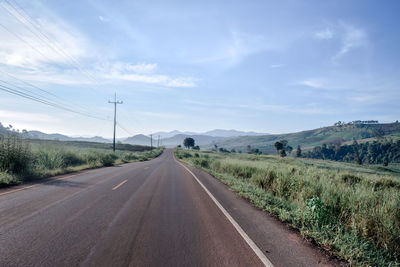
[
  {"x": 353, "y": 212},
  {"x": 20, "y": 161}
]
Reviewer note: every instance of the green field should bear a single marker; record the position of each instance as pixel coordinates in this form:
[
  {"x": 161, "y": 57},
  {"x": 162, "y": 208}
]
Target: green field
[
  {"x": 353, "y": 211},
  {"x": 26, "y": 160}
]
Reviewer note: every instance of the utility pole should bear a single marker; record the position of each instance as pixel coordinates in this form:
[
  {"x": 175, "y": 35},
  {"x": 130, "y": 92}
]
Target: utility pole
[
  {"x": 115, "y": 102},
  {"x": 151, "y": 142}
]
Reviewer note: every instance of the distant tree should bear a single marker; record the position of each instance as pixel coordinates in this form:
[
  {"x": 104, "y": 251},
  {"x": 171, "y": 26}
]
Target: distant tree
[
  {"x": 179, "y": 146},
  {"x": 221, "y": 149},
  {"x": 278, "y": 146},
  {"x": 188, "y": 142},
  {"x": 385, "y": 162},
  {"x": 357, "y": 159},
  {"x": 196, "y": 148},
  {"x": 216, "y": 147},
  {"x": 298, "y": 151},
  {"x": 249, "y": 149},
  {"x": 233, "y": 150},
  {"x": 281, "y": 147}
]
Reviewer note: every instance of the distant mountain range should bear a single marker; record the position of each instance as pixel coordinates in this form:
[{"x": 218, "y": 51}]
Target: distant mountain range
[
  {"x": 238, "y": 140},
  {"x": 60, "y": 137},
  {"x": 214, "y": 133},
  {"x": 168, "y": 139}
]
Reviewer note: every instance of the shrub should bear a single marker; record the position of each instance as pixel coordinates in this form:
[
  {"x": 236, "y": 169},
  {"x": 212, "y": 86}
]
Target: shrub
[
  {"x": 107, "y": 159},
  {"x": 15, "y": 155},
  {"x": 8, "y": 179},
  {"x": 317, "y": 212},
  {"x": 71, "y": 159},
  {"x": 350, "y": 179},
  {"x": 129, "y": 157}
]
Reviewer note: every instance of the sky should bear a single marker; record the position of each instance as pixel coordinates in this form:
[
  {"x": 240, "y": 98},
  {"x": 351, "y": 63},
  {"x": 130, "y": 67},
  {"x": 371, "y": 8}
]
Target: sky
[{"x": 265, "y": 66}]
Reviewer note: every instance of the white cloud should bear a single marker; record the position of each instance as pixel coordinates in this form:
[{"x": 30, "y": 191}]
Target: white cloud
[
  {"x": 312, "y": 83},
  {"x": 353, "y": 37},
  {"x": 163, "y": 80},
  {"x": 144, "y": 73},
  {"x": 103, "y": 19},
  {"x": 275, "y": 66},
  {"x": 46, "y": 43},
  {"x": 236, "y": 48},
  {"x": 123, "y": 67},
  {"x": 324, "y": 34},
  {"x": 53, "y": 52},
  {"x": 6, "y": 115},
  {"x": 309, "y": 109}
]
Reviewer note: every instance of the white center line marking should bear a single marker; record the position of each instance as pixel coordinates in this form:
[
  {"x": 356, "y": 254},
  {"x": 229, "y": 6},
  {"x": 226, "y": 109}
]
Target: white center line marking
[
  {"x": 119, "y": 185},
  {"x": 240, "y": 230}
]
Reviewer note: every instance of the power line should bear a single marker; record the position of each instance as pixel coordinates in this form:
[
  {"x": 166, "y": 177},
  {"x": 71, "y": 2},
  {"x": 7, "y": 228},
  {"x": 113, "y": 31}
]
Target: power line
[
  {"x": 124, "y": 128},
  {"x": 37, "y": 99},
  {"x": 50, "y": 43},
  {"x": 42, "y": 90},
  {"x": 27, "y": 43}
]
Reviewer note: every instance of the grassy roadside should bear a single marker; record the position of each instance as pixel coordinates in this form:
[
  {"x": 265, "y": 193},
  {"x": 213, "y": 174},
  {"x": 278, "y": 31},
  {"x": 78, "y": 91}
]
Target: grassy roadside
[
  {"x": 353, "y": 212},
  {"x": 22, "y": 161}
]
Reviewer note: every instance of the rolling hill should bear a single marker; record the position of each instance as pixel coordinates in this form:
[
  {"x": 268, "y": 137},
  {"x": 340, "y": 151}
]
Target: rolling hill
[{"x": 311, "y": 138}]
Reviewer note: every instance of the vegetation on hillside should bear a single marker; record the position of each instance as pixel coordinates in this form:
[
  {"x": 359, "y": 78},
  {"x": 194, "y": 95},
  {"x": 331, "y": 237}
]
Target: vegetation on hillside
[
  {"x": 351, "y": 210},
  {"x": 22, "y": 161},
  {"x": 376, "y": 152},
  {"x": 332, "y": 135}
]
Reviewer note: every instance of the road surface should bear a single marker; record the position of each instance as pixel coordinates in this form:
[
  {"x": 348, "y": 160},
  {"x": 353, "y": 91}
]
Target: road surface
[{"x": 153, "y": 213}]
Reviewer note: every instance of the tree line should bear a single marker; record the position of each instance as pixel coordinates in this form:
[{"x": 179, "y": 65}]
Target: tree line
[{"x": 376, "y": 152}]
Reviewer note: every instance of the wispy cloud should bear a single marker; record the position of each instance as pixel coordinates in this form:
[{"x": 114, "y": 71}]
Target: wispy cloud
[
  {"x": 325, "y": 34},
  {"x": 275, "y": 66},
  {"x": 30, "y": 46},
  {"x": 309, "y": 109},
  {"x": 143, "y": 73},
  {"x": 103, "y": 19},
  {"x": 8, "y": 115},
  {"x": 236, "y": 48},
  {"x": 314, "y": 83},
  {"x": 353, "y": 37},
  {"x": 52, "y": 51}
]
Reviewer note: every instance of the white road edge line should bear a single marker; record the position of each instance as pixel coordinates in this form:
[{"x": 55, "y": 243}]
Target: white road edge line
[
  {"x": 119, "y": 185},
  {"x": 35, "y": 185},
  {"x": 248, "y": 240},
  {"x": 19, "y": 189}
]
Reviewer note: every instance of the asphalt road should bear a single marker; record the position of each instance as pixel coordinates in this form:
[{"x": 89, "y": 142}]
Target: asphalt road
[{"x": 153, "y": 213}]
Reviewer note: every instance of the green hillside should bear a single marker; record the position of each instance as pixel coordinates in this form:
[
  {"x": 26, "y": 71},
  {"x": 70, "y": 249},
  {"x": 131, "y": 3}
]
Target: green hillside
[{"x": 337, "y": 134}]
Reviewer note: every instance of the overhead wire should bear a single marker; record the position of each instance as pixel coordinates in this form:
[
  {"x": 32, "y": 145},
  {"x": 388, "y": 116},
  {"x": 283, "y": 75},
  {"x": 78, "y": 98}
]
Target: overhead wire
[
  {"x": 124, "y": 129},
  {"x": 50, "y": 43},
  {"x": 44, "y": 91},
  {"x": 38, "y": 33},
  {"x": 43, "y": 101}
]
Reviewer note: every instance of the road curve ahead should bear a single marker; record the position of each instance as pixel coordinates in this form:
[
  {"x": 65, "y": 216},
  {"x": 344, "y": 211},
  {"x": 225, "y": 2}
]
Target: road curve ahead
[{"x": 153, "y": 213}]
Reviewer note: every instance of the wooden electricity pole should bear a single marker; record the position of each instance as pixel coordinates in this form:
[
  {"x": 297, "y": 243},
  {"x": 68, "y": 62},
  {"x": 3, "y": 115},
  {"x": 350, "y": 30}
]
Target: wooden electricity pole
[{"x": 115, "y": 102}]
